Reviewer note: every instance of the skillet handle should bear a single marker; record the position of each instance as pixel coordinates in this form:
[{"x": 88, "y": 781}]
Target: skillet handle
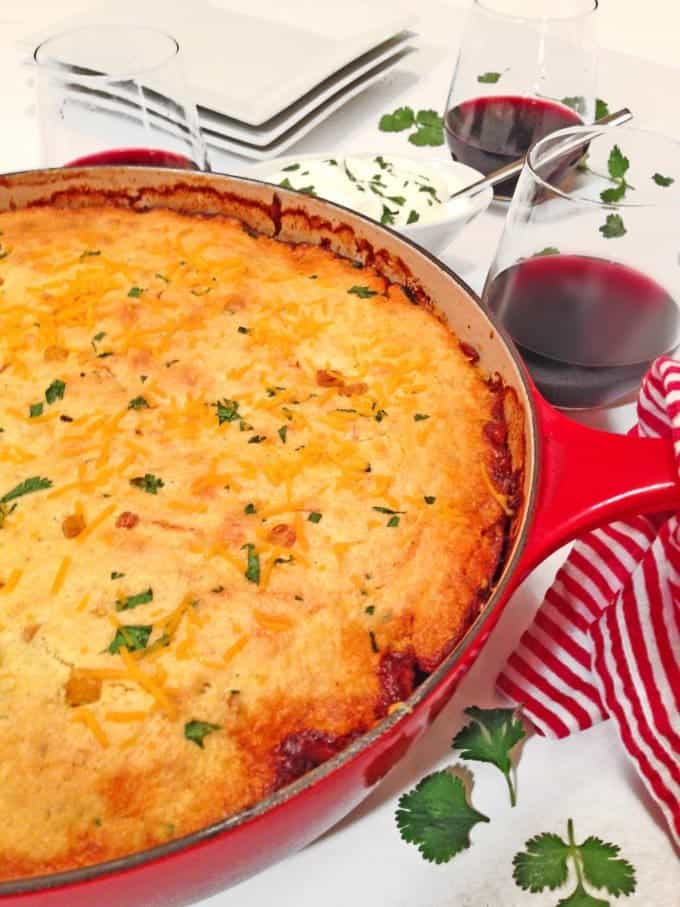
[{"x": 588, "y": 478}]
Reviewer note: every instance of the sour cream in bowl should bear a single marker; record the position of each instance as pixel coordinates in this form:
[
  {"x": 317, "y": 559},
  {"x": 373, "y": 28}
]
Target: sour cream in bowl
[{"x": 409, "y": 194}]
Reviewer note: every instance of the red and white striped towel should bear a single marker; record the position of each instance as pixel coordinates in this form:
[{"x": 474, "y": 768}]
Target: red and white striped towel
[{"x": 605, "y": 643}]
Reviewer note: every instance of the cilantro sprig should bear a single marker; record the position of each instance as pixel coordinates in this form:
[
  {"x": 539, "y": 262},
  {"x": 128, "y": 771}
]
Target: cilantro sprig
[
  {"x": 617, "y": 165},
  {"x": 544, "y": 864},
  {"x": 437, "y": 818},
  {"x": 490, "y": 737}
]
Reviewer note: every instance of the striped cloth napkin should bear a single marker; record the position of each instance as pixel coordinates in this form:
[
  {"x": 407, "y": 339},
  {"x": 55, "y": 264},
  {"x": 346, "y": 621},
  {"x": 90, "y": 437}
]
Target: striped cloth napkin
[{"x": 605, "y": 642}]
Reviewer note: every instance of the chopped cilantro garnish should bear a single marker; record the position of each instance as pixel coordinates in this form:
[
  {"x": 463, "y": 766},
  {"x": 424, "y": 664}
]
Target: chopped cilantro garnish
[
  {"x": 138, "y": 403},
  {"x": 362, "y": 292},
  {"x": 257, "y": 439},
  {"x": 249, "y": 509},
  {"x": 162, "y": 277},
  {"x": 133, "y": 601},
  {"x": 90, "y": 253},
  {"x": 380, "y": 415},
  {"x": 135, "y": 292},
  {"x": 291, "y": 167},
  {"x": 420, "y": 417},
  {"x": 55, "y": 391},
  {"x": 286, "y": 183},
  {"x": 252, "y": 573},
  {"x": 282, "y": 433},
  {"x": 314, "y": 517},
  {"x": 197, "y": 731},
  {"x": 35, "y": 410},
  {"x": 28, "y": 486},
  {"x": 387, "y": 216},
  {"x": 387, "y": 510},
  {"x": 393, "y": 521},
  {"x": 131, "y": 638},
  {"x": 243, "y": 330},
  {"x": 663, "y": 180},
  {"x": 369, "y": 609},
  {"x": 413, "y": 217},
  {"x": 430, "y": 499},
  {"x": 227, "y": 411},
  {"x": 115, "y": 574},
  {"x": 148, "y": 482}
]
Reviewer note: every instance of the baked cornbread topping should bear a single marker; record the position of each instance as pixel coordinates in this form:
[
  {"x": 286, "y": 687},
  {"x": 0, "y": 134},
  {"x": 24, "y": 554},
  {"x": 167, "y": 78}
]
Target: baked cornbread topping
[{"x": 249, "y": 492}]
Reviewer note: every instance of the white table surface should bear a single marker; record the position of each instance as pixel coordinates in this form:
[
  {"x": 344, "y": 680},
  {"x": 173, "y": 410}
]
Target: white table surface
[{"x": 587, "y": 777}]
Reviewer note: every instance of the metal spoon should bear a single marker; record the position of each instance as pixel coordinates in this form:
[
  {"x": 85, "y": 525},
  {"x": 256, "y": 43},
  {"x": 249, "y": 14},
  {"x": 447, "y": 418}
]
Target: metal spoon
[{"x": 498, "y": 176}]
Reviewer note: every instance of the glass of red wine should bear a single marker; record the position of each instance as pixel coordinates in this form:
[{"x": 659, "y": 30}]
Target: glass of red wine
[
  {"x": 586, "y": 278},
  {"x": 525, "y": 68},
  {"x": 116, "y": 94}
]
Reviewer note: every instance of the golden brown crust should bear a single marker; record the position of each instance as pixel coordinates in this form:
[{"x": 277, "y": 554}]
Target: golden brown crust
[{"x": 289, "y": 483}]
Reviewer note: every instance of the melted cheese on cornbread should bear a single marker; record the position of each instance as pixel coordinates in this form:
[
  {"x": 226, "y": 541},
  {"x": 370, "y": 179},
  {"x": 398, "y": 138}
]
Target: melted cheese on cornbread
[{"x": 262, "y": 469}]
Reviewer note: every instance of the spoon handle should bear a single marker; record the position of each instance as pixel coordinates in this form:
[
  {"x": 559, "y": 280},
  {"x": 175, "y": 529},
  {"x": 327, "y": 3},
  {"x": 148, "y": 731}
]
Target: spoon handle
[{"x": 618, "y": 118}]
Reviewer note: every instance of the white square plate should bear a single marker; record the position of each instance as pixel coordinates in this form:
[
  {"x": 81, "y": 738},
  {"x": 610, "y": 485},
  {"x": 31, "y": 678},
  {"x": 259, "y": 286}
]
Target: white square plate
[
  {"x": 274, "y": 128},
  {"x": 276, "y": 148}
]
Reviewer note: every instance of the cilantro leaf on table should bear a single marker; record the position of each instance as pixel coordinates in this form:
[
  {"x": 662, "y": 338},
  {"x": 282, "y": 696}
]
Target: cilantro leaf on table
[
  {"x": 548, "y": 250},
  {"x": 576, "y": 102},
  {"x": 614, "y": 194},
  {"x": 489, "y": 78},
  {"x": 618, "y": 163},
  {"x": 603, "y": 868},
  {"x": 544, "y": 865},
  {"x": 427, "y": 135},
  {"x": 436, "y": 817},
  {"x": 429, "y": 118},
  {"x": 614, "y": 227},
  {"x": 664, "y": 181},
  {"x": 490, "y": 737},
  {"x": 601, "y": 109},
  {"x": 402, "y": 118},
  {"x": 581, "y": 898}
]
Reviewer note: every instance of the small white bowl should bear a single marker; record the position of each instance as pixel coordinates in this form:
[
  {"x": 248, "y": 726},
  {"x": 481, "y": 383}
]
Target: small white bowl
[{"x": 434, "y": 235}]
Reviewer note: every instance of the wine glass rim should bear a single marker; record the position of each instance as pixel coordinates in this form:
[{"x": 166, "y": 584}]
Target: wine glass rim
[
  {"x": 123, "y": 75},
  {"x": 595, "y": 132},
  {"x": 488, "y": 6}
]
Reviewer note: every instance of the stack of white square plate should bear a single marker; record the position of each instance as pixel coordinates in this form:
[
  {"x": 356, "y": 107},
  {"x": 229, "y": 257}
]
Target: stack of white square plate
[
  {"x": 261, "y": 84},
  {"x": 267, "y": 101}
]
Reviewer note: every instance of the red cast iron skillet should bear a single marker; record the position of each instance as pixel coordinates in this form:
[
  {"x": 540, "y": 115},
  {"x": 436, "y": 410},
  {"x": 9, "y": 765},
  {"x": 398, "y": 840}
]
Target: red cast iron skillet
[{"x": 575, "y": 478}]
